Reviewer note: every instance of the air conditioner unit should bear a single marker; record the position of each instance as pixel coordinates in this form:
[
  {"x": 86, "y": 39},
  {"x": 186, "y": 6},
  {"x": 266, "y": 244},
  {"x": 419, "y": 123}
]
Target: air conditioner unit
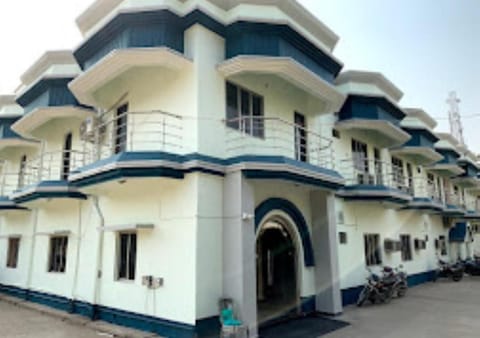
[
  {"x": 90, "y": 127},
  {"x": 391, "y": 245}
]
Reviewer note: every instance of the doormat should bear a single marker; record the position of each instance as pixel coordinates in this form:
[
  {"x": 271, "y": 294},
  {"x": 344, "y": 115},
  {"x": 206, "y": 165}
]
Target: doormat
[{"x": 312, "y": 326}]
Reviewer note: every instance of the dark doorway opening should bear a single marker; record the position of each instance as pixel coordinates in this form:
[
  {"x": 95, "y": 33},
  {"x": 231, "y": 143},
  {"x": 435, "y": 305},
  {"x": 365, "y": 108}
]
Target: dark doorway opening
[{"x": 277, "y": 289}]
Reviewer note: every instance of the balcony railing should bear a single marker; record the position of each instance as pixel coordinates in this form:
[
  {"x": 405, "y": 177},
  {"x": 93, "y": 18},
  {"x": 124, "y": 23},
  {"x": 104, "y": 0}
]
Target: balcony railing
[
  {"x": 374, "y": 173},
  {"x": 425, "y": 189},
  {"x": 277, "y": 137},
  {"x": 132, "y": 131},
  {"x": 49, "y": 166}
]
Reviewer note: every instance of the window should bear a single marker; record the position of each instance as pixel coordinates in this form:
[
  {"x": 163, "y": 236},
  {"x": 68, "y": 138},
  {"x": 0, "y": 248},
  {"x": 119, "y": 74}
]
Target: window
[
  {"x": 22, "y": 171},
  {"x": 12, "y": 254},
  {"x": 378, "y": 166},
  {"x": 372, "y": 249},
  {"x": 301, "y": 140},
  {"x": 406, "y": 247},
  {"x": 58, "y": 254},
  {"x": 410, "y": 179},
  {"x": 127, "y": 256},
  {"x": 245, "y": 111},
  {"x": 397, "y": 172},
  {"x": 343, "y": 237},
  {"x": 360, "y": 156},
  {"x": 442, "y": 241},
  {"x": 67, "y": 154},
  {"x": 121, "y": 129},
  {"x": 336, "y": 133}
]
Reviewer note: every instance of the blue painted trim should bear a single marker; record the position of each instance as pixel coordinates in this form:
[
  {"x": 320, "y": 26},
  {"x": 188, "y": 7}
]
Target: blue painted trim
[
  {"x": 308, "y": 305},
  {"x": 48, "y": 92},
  {"x": 424, "y": 204},
  {"x": 370, "y": 108},
  {"x": 329, "y": 182},
  {"x": 385, "y": 194},
  {"x": 164, "y": 28},
  {"x": 137, "y": 321},
  {"x": 6, "y": 131},
  {"x": 299, "y": 221},
  {"x": 61, "y": 193},
  {"x": 350, "y": 295},
  {"x": 421, "y": 137},
  {"x": 458, "y": 233}
]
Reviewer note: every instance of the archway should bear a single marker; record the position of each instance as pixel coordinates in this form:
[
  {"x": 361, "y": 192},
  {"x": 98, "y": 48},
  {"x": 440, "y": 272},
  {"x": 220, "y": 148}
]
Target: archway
[{"x": 277, "y": 270}]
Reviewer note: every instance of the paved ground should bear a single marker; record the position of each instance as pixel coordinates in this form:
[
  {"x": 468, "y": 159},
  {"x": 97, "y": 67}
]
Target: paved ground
[
  {"x": 19, "y": 319},
  {"x": 434, "y": 310}
]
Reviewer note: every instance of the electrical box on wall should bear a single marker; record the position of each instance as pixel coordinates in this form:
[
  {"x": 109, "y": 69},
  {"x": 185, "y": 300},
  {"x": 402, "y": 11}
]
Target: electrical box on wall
[{"x": 152, "y": 282}]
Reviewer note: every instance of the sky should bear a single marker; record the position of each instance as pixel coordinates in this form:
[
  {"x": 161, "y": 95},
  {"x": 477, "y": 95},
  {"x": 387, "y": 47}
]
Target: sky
[{"x": 426, "y": 47}]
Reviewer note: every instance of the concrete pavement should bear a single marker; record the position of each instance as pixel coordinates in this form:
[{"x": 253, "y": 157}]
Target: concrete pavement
[{"x": 435, "y": 310}]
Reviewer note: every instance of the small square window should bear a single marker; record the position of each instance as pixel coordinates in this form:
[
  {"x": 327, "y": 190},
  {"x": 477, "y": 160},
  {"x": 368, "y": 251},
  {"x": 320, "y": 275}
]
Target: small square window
[
  {"x": 335, "y": 133},
  {"x": 343, "y": 237}
]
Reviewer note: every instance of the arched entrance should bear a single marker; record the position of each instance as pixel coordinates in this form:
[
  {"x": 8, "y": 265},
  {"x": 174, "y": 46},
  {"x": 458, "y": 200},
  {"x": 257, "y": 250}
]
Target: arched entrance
[{"x": 277, "y": 270}]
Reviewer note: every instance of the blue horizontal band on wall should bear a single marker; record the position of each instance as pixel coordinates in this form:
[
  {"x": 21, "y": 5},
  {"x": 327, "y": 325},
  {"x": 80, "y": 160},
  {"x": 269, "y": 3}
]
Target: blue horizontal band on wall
[
  {"x": 295, "y": 214},
  {"x": 137, "y": 321},
  {"x": 328, "y": 179},
  {"x": 350, "y": 295},
  {"x": 370, "y": 108}
]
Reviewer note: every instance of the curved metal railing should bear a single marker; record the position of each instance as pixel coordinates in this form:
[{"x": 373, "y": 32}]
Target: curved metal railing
[{"x": 277, "y": 137}]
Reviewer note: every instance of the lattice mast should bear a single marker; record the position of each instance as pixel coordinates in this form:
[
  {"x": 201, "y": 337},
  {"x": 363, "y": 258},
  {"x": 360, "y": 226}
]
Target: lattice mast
[{"x": 456, "y": 127}]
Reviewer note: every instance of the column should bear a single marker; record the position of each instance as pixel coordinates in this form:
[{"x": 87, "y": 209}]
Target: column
[
  {"x": 239, "y": 240},
  {"x": 324, "y": 238}
]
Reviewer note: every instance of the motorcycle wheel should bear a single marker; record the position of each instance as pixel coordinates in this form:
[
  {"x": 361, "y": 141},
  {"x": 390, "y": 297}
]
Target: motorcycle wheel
[
  {"x": 402, "y": 291},
  {"x": 457, "y": 278},
  {"x": 362, "y": 298}
]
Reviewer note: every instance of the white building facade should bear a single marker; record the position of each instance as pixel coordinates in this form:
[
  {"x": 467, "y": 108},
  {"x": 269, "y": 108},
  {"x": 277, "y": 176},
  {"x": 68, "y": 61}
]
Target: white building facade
[{"x": 194, "y": 150}]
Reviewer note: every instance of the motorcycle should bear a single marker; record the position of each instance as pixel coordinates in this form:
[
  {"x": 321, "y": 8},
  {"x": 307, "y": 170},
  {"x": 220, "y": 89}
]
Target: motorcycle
[
  {"x": 401, "y": 283},
  {"x": 471, "y": 267},
  {"x": 377, "y": 289},
  {"x": 446, "y": 270}
]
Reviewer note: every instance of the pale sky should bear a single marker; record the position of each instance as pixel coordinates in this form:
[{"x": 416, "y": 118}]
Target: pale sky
[{"x": 426, "y": 47}]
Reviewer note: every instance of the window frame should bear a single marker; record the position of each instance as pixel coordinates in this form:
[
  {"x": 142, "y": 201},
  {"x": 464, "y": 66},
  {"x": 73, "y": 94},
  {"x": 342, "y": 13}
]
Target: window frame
[
  {"x": 123, "y": 270},
  {"x": 120, "y": 128},
  {"x": 245, "y": 121},
  {"x": 406, "y": 247},
  {"x": 58, "y": 247},
  {"x": 13, "y": 250},
  {"x": 67, "y": 156},
  {"x": 373, "y": 257}
]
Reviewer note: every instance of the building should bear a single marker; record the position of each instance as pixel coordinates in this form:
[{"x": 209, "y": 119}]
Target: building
[{"x": 188, "y": 151}]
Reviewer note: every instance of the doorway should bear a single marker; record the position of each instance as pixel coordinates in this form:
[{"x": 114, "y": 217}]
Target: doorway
[{"x": 277, "y": 284}]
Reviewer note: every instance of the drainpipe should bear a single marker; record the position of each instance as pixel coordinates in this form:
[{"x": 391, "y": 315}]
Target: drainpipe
[
  {"x": 32, "y": 251},
  {"x": 34, "y": 237},
  {"x": 77, "y": 259},
  {"x": 99, "y": 262}
]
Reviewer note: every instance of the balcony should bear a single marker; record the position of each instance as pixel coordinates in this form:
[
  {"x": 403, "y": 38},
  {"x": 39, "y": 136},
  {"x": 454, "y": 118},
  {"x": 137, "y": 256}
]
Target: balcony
[
  {"x": 270, "y": 147},
  {"x": 420, "y": 149},
  {"x": 8, "y": 185},
  {"x": 373, "y": 180},
  {"x": 454, "y": 206},
  {"x": 46, "y": 177},
  {"x": 159, "y": 144},
  {"x": 469, "y": 178},
  {"x": 426, "y": 197},
  {"x": 376, "y": 117}
]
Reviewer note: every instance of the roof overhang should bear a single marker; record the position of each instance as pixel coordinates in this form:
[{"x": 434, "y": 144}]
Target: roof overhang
[
  {"x": 38, "y": 117},
  {"x": 17, "y": 142},
  {"x": 386, "y": 133},
  {"x": 418, "y": 155},
  {"x": 445, "y": 169},
  {"x": 289, "y": 70},
  {"x": 466, "y": 181},
  {"x": 118, "y": 62}
]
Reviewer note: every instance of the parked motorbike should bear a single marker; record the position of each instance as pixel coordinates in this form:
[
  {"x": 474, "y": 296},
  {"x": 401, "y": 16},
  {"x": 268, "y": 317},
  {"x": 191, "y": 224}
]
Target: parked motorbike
[
  {"x": 377, "y": 289},
  {"x": 401, "y": 283},
  {"x": 447, "y": 270},
  {"x": 471, "y": 267}
]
